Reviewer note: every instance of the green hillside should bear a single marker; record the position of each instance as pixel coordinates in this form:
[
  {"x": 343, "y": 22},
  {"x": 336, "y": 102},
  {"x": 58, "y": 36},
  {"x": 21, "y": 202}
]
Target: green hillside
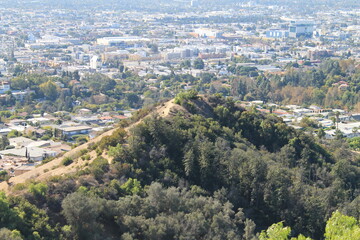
[{"x": 209, "y": 170}]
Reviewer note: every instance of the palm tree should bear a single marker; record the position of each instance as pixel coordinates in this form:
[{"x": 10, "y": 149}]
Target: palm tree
[
  {"x": 333, "y": 119},
  {"x": 337, "y": 114}
]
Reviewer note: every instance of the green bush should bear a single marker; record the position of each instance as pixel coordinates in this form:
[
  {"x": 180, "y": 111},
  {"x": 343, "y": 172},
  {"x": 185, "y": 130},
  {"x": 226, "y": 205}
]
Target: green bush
[
  {"x": 354, "y": 143},
  {"x": 83, "y": 151},
  {"x": 184, "y": 96},
  {"x": 13, "y": 134},
  {"x": 117, "y": 137},
  {"x": 38, "y": 189},
  {"x": 4, "y": 175},
  {"x": 46, "y": 160},
  {"x": 67, "y": 161},
  {"x": 85, "y": 157},
  {"x": 99, "y": 152},
  {"x": 98, "y": 167},
  {"x": 45, "y": 137}
]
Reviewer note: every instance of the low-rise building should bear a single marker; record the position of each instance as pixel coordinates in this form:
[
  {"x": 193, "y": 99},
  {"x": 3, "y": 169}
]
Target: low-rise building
[
  {"x": 4, "y": 87},
  {"x": 69, "y": 131},
  {"x": 23, "y": 169},
  {"x": 20, "y": 142},
  {"x": 33, "y": 153}
]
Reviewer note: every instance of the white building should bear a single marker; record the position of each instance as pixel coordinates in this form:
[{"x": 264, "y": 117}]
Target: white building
[
  {"x": 300, "y": 28},
  {"x": 123, "y": 42},
  {"x": 4, "y": 87},
  {"x": 33, "y": 153},
  {"x": 208, "y": 33},
  {"x": 95, "y": 62},
  {"x": 349, "y": 130},
  {"x": 20, "y": 142}
]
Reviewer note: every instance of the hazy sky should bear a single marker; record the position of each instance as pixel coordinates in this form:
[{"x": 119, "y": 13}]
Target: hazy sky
[{"x": 163, "y": 3}]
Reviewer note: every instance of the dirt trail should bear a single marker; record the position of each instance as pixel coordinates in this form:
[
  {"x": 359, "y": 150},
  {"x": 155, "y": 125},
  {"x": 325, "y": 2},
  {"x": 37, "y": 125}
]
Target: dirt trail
[{"x": 55, "y": 168}]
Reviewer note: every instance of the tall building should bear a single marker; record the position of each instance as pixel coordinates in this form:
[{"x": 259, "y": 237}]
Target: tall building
[
  {"x": 95, "y": 62},
  {"x": 301, "y": 28}
]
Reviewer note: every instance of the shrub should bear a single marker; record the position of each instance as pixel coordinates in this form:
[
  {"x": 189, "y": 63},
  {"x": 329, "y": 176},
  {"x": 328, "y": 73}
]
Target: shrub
[
  {"x": 46, "y": 160},
  {"x": 132, "y": 186},
  {"x": 45, "y": 137},
  {"x": 67, "y": 161},
  {"x": 99, "y": 151},
  {"x": 13, "y": 134},
  {"x": 83, "y": 172},
  {"x": 85, "y": 157},
  {"x": 56, "y": 178},
  {"x": 20, "y": 186},
  {"x": 98, "y": 167},
  {"x": 83, "y": 151},
  {"x": 38, "y": 189},
  {"x": 4, "y": 176},
  {"x": 185, "y": 96},
  {"x": 118, "y": 136},
  {"x": 81, "y": 139},
  {"x": 92, "y": 146}
]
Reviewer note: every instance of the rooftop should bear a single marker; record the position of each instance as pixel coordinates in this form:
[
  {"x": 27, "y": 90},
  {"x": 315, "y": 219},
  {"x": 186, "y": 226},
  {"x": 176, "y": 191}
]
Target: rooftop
[{"x": 75, "y": 128}]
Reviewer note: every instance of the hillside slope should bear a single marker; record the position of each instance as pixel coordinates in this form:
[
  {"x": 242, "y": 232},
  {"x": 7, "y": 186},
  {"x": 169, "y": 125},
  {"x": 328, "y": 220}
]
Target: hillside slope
[
  {"x": 203, "y": 168},
  {"x": 55, "y": 167}
]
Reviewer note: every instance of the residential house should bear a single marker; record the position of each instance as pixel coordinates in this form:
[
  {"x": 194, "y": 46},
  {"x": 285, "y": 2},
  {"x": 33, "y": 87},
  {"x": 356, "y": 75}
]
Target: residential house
[
  {"x": 20, "y": 142},
  {"x": 32, "y": 153},
  {"x": 68, "y": 131},
  {"x": 4, "y": 87}
]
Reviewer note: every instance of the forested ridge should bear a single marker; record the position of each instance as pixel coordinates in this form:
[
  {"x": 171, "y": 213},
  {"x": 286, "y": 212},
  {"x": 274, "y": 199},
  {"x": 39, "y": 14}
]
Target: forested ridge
[
  {"x": 330, "y": 84},
  {"x": 212, "y": 171}
]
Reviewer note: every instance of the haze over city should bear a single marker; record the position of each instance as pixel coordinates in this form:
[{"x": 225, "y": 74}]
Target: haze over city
[{"x": 179, "y": 119}]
